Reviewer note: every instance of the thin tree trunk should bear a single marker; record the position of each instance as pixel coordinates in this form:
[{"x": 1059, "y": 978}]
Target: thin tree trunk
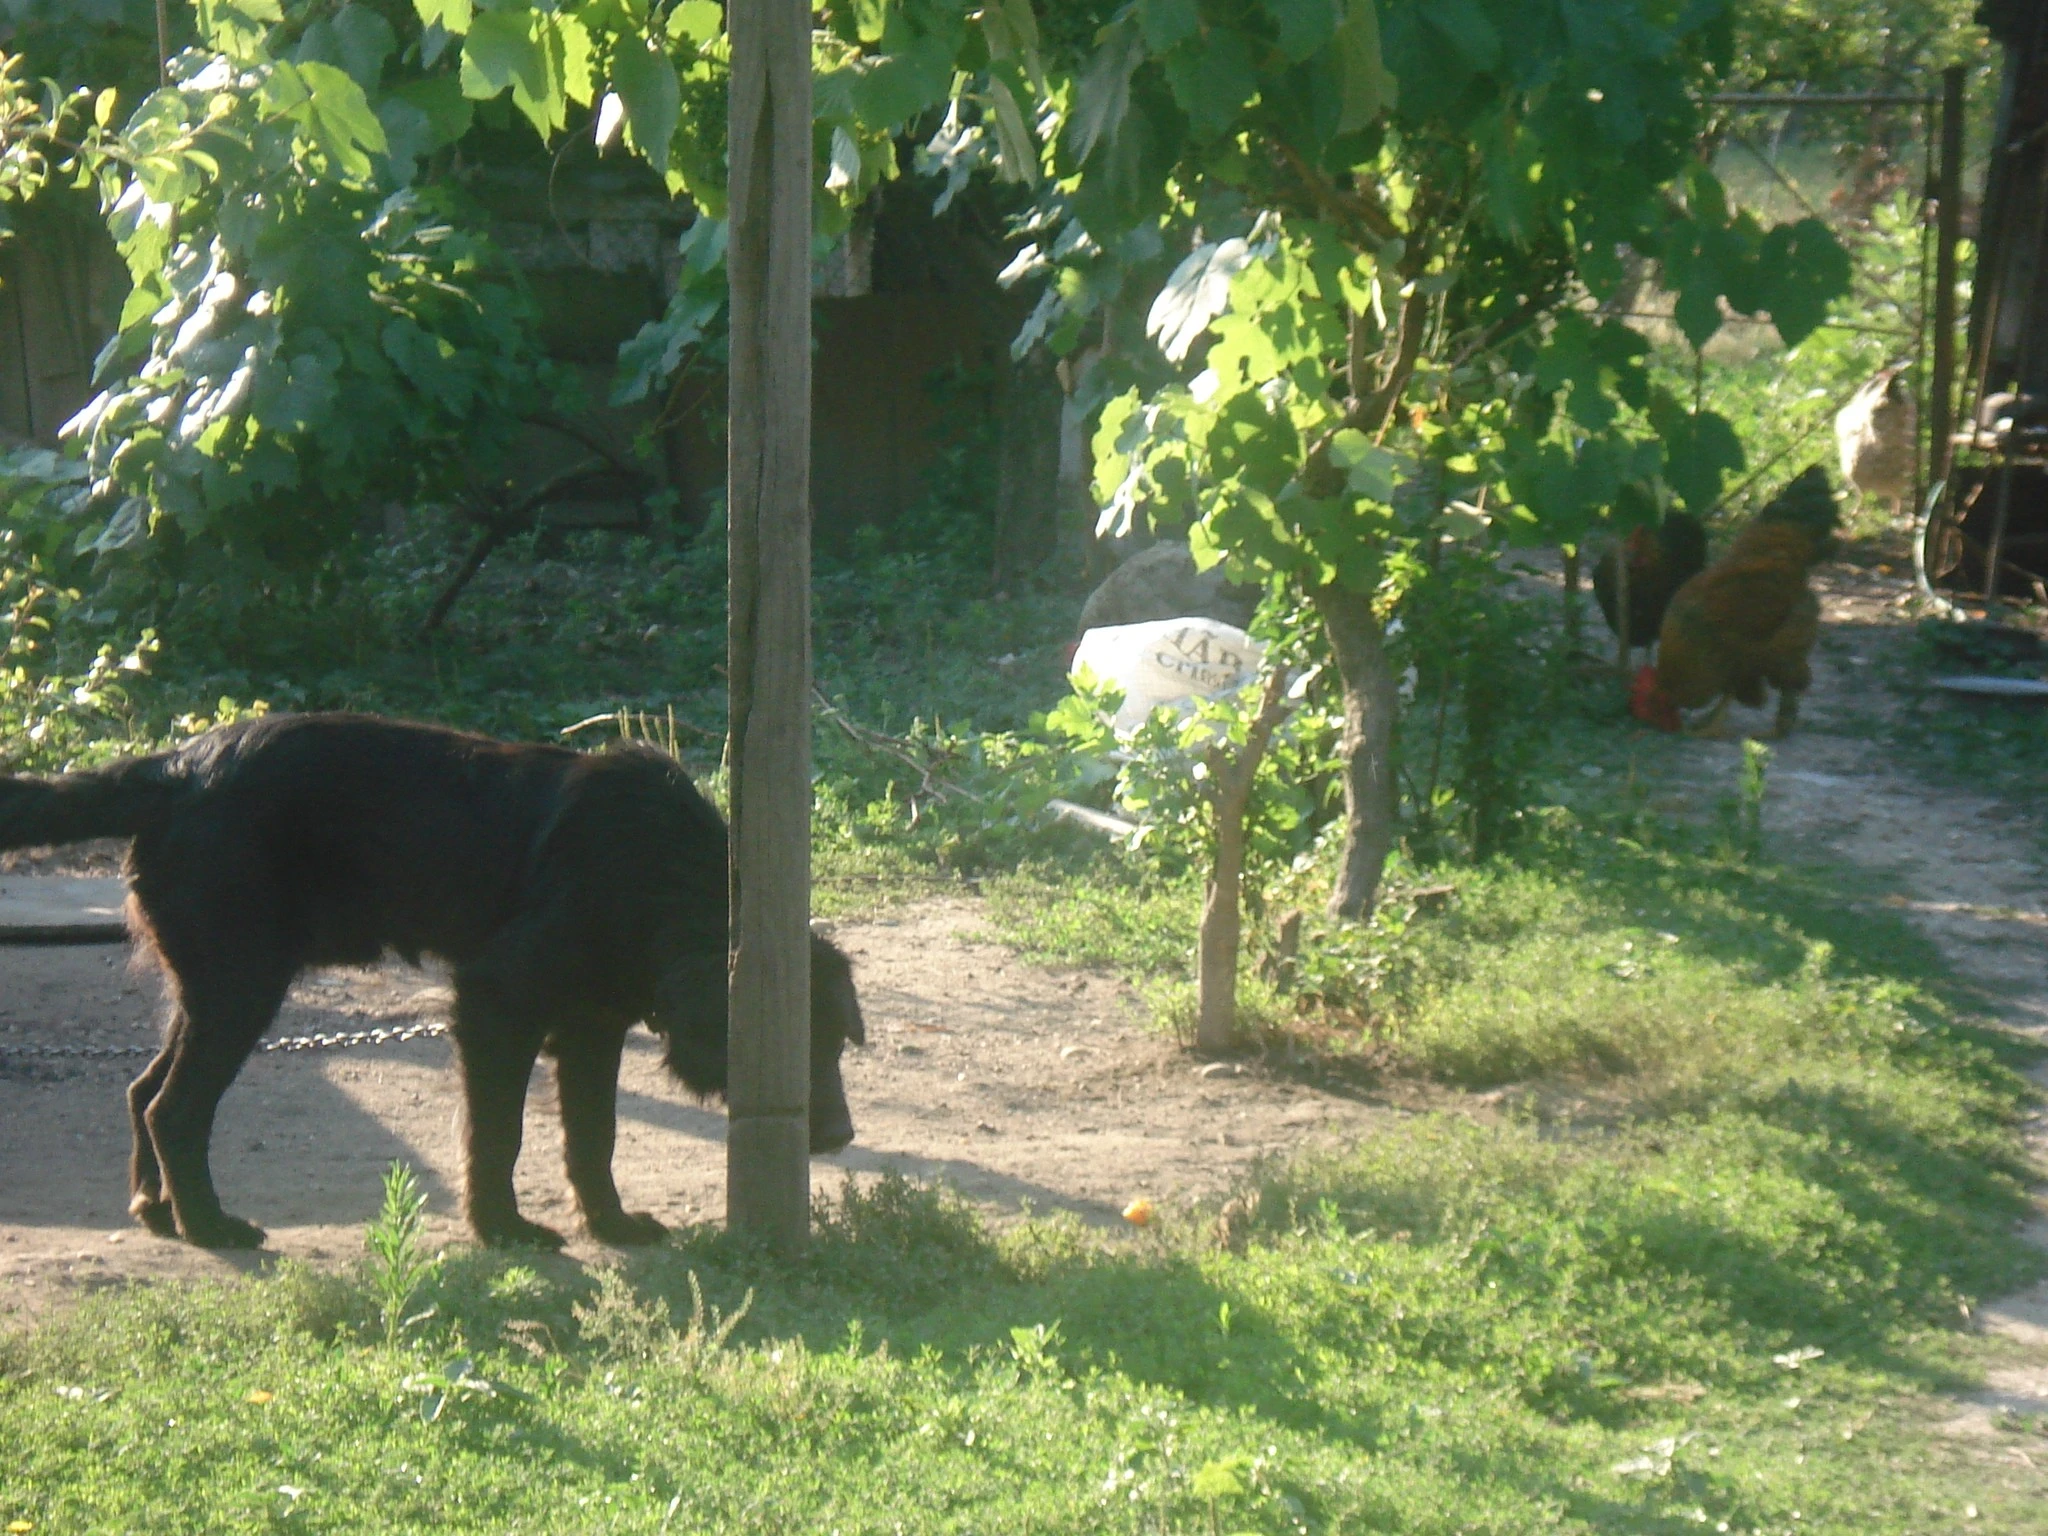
[
  {"x": 1571, "y": 597},
  {"x": 1231, "y": 776},
  {"x": 1371, "y": 696},
  {"x": 1222, "y": 933}
]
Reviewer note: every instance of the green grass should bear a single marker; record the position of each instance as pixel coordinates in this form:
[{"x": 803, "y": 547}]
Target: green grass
[
  {"x": 1728, "y": 1119},
  {"x": 548, "y": 636},
  {"x": 1780, "y": 1135},
  {"x": 1454, "y": 1329}
]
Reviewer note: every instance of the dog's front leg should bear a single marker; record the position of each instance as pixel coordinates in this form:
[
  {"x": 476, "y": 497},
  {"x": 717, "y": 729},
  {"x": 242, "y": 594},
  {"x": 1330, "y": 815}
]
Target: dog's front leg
[
  {"x": 587, "y": 1084},
  {"x": 495, "y": 1049}
]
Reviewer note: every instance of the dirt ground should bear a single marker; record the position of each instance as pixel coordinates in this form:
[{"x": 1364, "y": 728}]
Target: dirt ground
[{"x": 1023, "y": 1087}]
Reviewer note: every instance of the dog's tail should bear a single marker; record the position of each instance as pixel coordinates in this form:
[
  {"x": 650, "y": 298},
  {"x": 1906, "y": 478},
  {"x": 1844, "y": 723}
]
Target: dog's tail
[{"x": 113, "y": 802}]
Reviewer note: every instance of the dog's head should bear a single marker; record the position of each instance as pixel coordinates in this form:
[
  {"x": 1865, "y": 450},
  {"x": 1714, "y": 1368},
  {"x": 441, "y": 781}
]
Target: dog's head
[{"x": 691, "y": 1012}]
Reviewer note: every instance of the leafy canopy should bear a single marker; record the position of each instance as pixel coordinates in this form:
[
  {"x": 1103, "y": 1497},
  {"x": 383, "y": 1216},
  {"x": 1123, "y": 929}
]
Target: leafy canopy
[
  {"x": 317, "y": 324},
  {"x": 1402, "y": 221}
]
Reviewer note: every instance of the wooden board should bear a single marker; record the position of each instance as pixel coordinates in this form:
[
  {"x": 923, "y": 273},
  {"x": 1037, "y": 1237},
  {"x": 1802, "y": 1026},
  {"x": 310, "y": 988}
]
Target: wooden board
[
  {"x": 55, "y": 909},
  {"x": 1995, "y": 687}
]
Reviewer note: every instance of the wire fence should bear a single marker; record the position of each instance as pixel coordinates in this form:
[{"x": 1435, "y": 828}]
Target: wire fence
[{"x": 1863, "y": 163}]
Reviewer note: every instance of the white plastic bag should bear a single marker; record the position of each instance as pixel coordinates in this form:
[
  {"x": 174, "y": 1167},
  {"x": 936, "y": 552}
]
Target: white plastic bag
[{"x": 1168, "y": 661}]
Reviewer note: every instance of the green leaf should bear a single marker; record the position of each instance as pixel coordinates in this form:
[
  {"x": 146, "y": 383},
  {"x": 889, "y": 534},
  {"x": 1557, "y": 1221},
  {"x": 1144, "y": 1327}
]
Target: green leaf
[
  {"x": 1023, "y": 23},
  {"x": 1011, "y": 32},
  {"x": 578, "y": 74},
  {"x": 894, "y": 88},
  {"x": 448, "y": 112},
  {"x": 1223, "y": 1479},
  {"x": 646, "y": 83},
  {"x": 1213, "y": 83},
  {"x": 564, "y": 48},
  {"x": 238, "y": 27},
  {"x": 1168, "y": 23},
  {"x": 1305, "y": 25},
  {"x": 1196, "y": 293},
  {"x": 1368, "y": 89},
  {"x": 1509, "y": 153},
  {"x": 1698, "y": 312},
  {"x": 1017, "y": 150},
  {"x": 428, "y": 362},
  {"x": 1804, "y": 270},
  {"x": 1700, "y": 452},
  {"x": 363, "y": 40},
  {"x": 501, "y": 51},
  {"x": 696, "y": 22},
  {"x": 333, "y": 111},
  {"x": 1369, "y": 470},
  {"x": 408, "y": 133},
  {"x": 450, "y": 15},
  {"x": 1464, "y": 25},
  {"x": 1102, "y": 96}
]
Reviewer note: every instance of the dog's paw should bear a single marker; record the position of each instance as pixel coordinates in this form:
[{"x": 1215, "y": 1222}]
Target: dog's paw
[
  {"x": 223, "y": 1231},
  {"x": 154, "y": 1214},
  {"x": 518, "y": 1232},
  {"x": 628, "y": 1229}
]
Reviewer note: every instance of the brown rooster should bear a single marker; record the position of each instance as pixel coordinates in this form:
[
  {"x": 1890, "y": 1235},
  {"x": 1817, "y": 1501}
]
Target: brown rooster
[{"x": 1747, "y": 620}]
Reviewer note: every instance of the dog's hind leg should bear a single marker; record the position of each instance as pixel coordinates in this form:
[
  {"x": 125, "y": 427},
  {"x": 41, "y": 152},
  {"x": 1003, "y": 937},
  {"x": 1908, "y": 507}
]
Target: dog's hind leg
[
  {"x": 587, "y": 1084},
  {"x": 221, "y": 1017},
  {"x": 497, "y": 1041},
  {"x": 146, "y": 1201}
]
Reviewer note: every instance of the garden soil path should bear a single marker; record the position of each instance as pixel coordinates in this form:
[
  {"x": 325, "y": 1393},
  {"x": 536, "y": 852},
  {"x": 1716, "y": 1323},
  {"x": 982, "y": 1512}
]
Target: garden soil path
[
  {"x": 1965, "y": 867},
  {"x": 1020, "y": 1086}
]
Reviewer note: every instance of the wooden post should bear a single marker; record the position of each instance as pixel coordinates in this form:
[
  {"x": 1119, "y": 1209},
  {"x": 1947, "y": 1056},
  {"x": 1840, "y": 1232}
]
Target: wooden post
[
  {"x": 1948, "y": 191},
  {"x": 768, "y": 263}
]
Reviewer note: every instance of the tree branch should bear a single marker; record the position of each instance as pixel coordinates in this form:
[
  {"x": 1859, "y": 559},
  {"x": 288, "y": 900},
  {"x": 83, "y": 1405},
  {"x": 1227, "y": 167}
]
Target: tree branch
[
  {"x": 581, "y": 435},
  {"x": 1347, "y": 207},
  {"x": 1231, "y": 774},
  {"x": 496, "y": 527},
  {"x": 1369, "y": 412},
  {"x": 1375, "y": 411}
]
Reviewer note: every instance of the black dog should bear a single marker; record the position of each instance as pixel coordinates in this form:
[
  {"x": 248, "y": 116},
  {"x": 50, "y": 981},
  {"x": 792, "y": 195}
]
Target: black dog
[{"x": 574, "y": 894}]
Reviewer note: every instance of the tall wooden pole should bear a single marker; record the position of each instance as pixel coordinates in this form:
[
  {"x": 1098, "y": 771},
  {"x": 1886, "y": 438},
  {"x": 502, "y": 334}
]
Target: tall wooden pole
[
  {"x": 768, "y": 633},
  {"x": 1948, "y": 191}
]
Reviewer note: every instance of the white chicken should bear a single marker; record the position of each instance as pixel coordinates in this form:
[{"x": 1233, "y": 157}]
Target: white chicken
[{"x": 1875, "y": 433}]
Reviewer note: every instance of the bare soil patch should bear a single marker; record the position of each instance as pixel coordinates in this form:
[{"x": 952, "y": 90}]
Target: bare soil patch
[{"x": 1022, "y": 1087}]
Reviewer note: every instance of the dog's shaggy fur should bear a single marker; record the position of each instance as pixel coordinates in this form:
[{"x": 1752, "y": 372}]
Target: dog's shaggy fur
[{"x": 574, "y": 894}]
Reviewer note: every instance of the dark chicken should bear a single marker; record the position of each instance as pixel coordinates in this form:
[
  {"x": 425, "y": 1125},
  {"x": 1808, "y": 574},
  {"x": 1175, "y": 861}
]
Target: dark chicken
[
  {"x": 1660, "y": 561},
  {"x": 1748, "y": 620}
]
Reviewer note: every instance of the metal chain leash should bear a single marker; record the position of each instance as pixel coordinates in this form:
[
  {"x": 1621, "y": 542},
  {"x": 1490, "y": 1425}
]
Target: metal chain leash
[{"x": 323, "y": 1042}]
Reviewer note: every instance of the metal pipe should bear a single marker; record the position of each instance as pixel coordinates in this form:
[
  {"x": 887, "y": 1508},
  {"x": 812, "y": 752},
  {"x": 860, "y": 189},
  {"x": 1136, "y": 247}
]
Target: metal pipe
[
  {"x": 1821, "y": 99},
  {"x": 1948, "y": 192}
]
